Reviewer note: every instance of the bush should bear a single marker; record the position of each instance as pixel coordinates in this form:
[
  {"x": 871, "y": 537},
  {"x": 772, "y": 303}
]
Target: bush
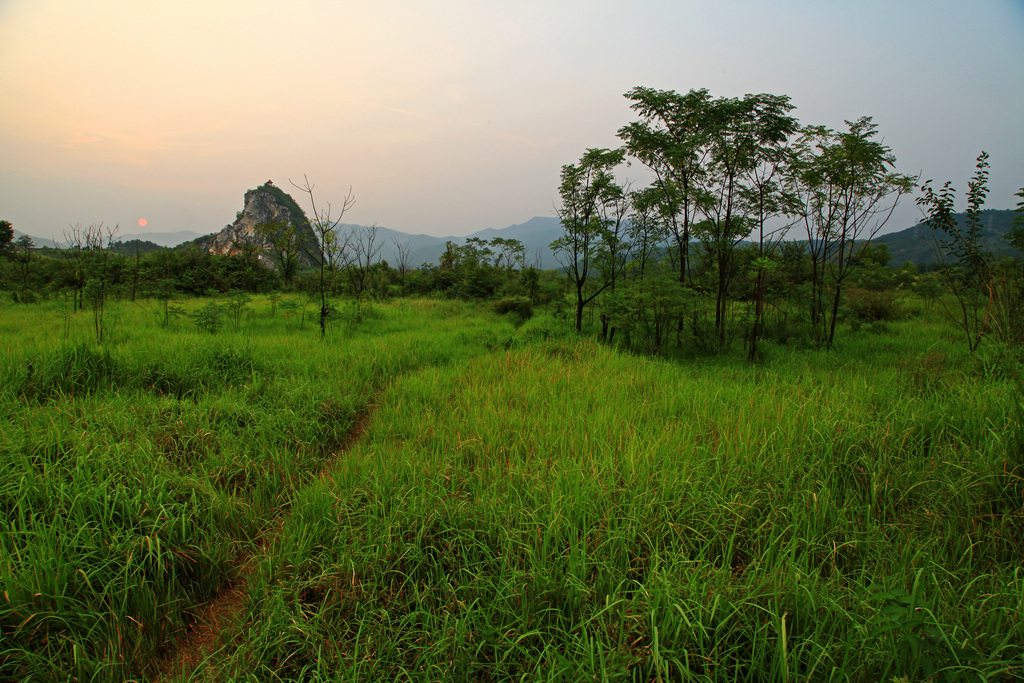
[
  {"x": 520, "y": 306},
  {"x": 868, "y": 305},
  {"x": 67, "y": 372},
  {"x": 543, "y": 328}
]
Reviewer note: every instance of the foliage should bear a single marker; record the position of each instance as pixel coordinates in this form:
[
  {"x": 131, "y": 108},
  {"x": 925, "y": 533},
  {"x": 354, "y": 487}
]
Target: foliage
[
  {"x": 588, "y": 190},
  {"x": 846, "y": 192},
  {"x": 6, "y": 239},
  {"x": 871, "y": 305},
  {"x": 989, "y": 296},
  {"x": 283, "y": 245},
  {"x": 208, "y": 318},
  {"x": 521, "y": 307},
  {"x": 237, "y": 305}
]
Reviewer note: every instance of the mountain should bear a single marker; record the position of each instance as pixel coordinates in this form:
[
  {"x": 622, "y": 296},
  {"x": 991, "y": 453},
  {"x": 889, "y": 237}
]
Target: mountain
[
  {"x": 267, "y": 203},
  {"x": 536, "y": 234},
  {"x": 917, "y": 244},
  {"x": 135, "y": 246},
  {"x": 422, "y": 248},
  {"x": 37, "y": 242},
  {"x": 163, "y": 239}
]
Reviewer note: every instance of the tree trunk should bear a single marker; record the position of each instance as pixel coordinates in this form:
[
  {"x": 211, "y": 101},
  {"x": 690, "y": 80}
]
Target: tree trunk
[
  {"x": 579, "y": 308},
  {"x": 755, "y": 330},
  {"x": 835, "y": 314}
]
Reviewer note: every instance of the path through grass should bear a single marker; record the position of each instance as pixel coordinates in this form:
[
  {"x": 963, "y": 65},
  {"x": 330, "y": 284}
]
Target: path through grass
[{"x": 520, "y": 506}]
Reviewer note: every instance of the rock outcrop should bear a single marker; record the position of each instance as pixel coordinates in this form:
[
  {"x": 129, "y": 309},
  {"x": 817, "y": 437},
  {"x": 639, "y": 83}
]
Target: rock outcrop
[{"x": 267, "y": 203}]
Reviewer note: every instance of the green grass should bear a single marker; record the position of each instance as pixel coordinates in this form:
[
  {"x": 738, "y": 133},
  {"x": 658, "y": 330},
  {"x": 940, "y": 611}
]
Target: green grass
[
  {"x": 564, "y": 509},
  {"x": 516, "y": 504}
]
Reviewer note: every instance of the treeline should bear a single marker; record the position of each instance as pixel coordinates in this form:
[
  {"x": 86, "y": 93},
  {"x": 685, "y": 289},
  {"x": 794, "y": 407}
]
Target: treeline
[
  {"x": 95, "y": 263},
  {"x": 758, "y": 228},
  {"x": 30, "y": 273}
]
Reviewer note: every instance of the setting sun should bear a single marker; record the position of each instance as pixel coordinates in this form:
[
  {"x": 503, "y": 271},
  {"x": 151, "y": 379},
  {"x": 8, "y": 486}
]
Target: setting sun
[{"x": 142, "y": 222}]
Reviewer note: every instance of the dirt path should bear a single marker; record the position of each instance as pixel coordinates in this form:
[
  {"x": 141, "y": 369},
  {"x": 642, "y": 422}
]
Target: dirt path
[
  {"x": 215, "y": 617},
  {"x": 204, "y": 633}
]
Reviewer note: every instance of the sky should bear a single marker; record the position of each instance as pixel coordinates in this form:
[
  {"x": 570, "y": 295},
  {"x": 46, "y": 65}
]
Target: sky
[{"x": 450, "y": 116}]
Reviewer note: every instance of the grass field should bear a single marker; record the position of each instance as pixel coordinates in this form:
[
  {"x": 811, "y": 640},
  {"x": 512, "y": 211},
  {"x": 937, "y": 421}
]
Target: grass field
[{"x": 435, "y": 494}]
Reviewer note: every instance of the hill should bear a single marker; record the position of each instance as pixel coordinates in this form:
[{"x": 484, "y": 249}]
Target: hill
[
  {"x": 917, "y": 244},
  {"x": 37, "y": 242},
  {"x": 161, "y": 239},
  {"x": 266, "y": 204},
  {"x": 536, "y": 235}
]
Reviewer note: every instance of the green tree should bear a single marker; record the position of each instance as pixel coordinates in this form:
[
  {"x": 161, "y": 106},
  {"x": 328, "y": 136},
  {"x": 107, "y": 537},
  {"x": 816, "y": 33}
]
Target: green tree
[
  {"x": 648, "y": 226},
  {"x": 1016, "y": 235},
  {"x": 846, "y": 192},
  {"x": 23, "y": 255},
  {"x": 744, "y": 138},
  {"x": 586, "y": 189},
  {"x": 509, "y": 254},
  {"x": 988, "y": 295},
  {"x": 716, "y": 164},
  {"x": 6, "y": 239},
  {"x": 670, "y": 139},
  {"x": 467, "y": 270},
  {"x": 282, "y": 245}
]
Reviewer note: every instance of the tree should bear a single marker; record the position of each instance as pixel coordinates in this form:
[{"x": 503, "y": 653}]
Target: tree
[
  {"x": 509, "y": 254},
  {"x": 98, "y": 282},
  {"x": 23, "y": 247},
  {"x": 467, "y": 269},
  {"x": 585, "y": 189},
  {"x": 764, "y": 198},
  {"x": 282, "y": 245},
  {"x": 247, "y": 268},
  {"x": 613, "y": 250},
  {"x": 647, "y": 226},
  {"x": 846, "y": 193},
  {"x": 1016, "y": 235},
  {"x": 403, "y": 254},
  {"x": 985, "y": 299},
  {"x": 744, "y": 138},
  {"x": 670, "y": 140},
  {"x": 331, "y": 247},
  {"x": 6, "y": 239},
  {"x": 715, "y": 162},
  {"x": 365, "y": 249},
  {"x": 74, "y": 252}
]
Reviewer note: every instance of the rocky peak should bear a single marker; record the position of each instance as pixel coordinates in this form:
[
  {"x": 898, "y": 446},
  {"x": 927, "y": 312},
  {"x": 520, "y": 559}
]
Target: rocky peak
[{"x": 267, "y": 203}]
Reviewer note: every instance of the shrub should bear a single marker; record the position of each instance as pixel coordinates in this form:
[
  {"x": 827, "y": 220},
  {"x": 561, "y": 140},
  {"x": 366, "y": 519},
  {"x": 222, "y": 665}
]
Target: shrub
[
  {"x": 520, "y": 306},
  {"x": 868, "y": 305},
  {"x": 68, "y": 371}
]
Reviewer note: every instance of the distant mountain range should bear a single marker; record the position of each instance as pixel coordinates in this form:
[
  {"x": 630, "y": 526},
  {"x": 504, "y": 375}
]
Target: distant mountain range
[
  {"x": 536, "y": 234},
  {"x": 37, "y": 242},
  {"x": 914, "y": 244},
  {"x": 918, "y": 243},
  {"x": 163, "y": 239}
]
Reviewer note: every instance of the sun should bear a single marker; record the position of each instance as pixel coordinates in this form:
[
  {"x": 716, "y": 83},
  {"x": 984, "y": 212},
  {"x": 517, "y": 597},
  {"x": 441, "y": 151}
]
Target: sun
[{"x": 142, "y": 222}]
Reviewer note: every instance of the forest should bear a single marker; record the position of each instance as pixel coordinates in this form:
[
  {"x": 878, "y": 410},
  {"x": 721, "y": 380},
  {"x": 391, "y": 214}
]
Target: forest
[{"x": 727, "y": 440}]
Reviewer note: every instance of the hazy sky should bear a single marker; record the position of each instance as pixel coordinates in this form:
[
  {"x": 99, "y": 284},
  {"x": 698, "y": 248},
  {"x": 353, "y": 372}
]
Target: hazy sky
[{"x": 448, "y": 116}]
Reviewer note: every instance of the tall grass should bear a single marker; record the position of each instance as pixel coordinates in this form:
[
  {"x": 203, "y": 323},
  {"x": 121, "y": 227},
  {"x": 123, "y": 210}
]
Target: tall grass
[
  {"x": 136, "y": 474},
  {"x": 458, "y": 500},
  {"x": 561, "y": 512}
]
